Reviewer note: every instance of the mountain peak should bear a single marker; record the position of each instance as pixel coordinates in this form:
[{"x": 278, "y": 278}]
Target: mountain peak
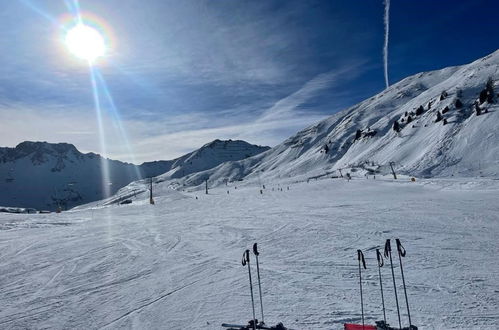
[
  {"x": 218, "y": 142},
  {"x": 211, "y": 155},
  {"x": 28, "y": 147},
  {"x": 38, "y": 151}
]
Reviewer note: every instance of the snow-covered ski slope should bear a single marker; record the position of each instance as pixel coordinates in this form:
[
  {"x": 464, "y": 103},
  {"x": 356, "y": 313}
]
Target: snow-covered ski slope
[
  {"x": 176, "y": 265},
  {"x": 466, "y": 145}
]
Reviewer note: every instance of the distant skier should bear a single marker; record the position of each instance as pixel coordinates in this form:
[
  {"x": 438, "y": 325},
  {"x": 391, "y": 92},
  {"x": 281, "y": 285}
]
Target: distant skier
[{"x": 326, "y": 149}]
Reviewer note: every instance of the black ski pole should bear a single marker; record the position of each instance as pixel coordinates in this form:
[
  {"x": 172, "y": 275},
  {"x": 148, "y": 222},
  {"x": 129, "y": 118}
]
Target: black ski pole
[
  {"x": 246, "y": 260},
  {"x": 360, "y": 256},
  {"x": 388, "y": 253},
  {"x": 402, "y": 253},
  {"x": 379, "y": 256},
  {"x": 255, "y": 251}
]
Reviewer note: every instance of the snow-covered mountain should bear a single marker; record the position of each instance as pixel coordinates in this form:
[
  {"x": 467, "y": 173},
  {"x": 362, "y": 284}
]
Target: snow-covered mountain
[
  {"x": 440, "y": 123},
  {"x": 43, "y": 175},
  {"x": 211, "y": 155}
]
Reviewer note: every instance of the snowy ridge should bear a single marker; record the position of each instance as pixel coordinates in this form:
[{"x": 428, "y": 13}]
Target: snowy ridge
[
  {"x": 211, "y": 155},
  {"x": 463, "y": 142}
]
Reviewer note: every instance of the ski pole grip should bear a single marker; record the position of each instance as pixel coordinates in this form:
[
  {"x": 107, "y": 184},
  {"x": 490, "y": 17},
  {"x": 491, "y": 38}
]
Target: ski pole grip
[
  {"x": 400, "y": 248},
  {"x": 379, "y": 256},
  {"x": 255, "y": 249},
  {"x": 360, "y": 257},
  {"x": 388, "y": 248},
  {"x": 245, "y": 258}
]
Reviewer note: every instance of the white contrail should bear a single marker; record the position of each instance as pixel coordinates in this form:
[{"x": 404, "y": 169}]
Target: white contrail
[{"x": 387, "y": 31}]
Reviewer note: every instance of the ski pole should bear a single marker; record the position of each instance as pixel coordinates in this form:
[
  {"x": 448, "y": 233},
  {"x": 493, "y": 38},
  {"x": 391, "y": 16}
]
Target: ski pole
[
  {"x": 379, "y": 256},
  {"x": 360, "y": 256},
  {"x": 388, "y": 253},
  {"x": 255, "y": 251},
  {"x": 402, "y": 253},
  {"x": 246, "y": 260}
]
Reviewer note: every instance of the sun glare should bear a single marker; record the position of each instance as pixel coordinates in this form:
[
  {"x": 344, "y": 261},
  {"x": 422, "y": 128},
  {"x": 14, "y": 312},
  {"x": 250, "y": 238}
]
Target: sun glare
[{"x": 85, "y": 42}]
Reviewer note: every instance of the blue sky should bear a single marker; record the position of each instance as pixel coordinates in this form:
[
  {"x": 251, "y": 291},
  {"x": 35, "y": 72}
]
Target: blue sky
[{"x": 182, "y": 73}]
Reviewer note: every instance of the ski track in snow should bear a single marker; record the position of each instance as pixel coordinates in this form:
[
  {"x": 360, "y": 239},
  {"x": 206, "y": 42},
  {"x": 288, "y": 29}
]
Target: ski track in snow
[{"x": 176, "y": 265}]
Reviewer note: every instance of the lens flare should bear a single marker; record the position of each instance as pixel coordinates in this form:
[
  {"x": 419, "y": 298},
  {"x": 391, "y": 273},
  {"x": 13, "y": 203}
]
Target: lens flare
[
  {"x": 86, "y": 36},
  {"x": 85, "y": 42}
]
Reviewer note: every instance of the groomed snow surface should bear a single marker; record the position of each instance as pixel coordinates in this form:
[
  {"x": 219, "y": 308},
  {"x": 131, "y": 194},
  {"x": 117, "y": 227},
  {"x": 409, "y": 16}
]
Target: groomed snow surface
[{"x": 176, "y": 265}]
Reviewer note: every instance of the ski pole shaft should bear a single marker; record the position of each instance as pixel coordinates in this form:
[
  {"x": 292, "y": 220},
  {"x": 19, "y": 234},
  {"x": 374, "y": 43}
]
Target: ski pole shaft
[
  {"x": 255, "y": 251},
  {"x": 246, "y": 261},
  {"x": 388, "y": 253},
  {"x": 402, "y": 252},
  {"x": 259, "y": 287},
  {"x": 380, "y": 264},
  {"x": 360, "y": 256},
  {"x": 361, "y": 298},
  {"x": 395, "y": 290}
]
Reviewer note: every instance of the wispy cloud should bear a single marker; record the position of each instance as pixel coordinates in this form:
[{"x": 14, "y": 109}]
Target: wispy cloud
[
  {"x": 310, "y": 89},
  {"x": 162, "y": 139},
  {"x": 172, "y": 136},
  {"x": 198, "y": 43}
]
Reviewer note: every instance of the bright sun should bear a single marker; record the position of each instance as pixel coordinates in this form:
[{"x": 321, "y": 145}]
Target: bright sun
[{"x": 85, "y": 42}]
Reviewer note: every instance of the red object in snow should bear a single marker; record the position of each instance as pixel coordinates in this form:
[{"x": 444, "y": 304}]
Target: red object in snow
[{"x": 351, "y": 326}]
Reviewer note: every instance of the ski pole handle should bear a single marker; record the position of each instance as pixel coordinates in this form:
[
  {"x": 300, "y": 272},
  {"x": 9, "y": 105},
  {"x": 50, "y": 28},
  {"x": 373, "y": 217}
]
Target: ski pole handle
[
  {"x": 400, "y": 248},
  {"x": 388, "y": 248},
  {"x": 379, "y": 256},
  {"x": 360, "y": 257},
  {"x": 246, "y": 258},
  {"x": 255, "y": 249}
]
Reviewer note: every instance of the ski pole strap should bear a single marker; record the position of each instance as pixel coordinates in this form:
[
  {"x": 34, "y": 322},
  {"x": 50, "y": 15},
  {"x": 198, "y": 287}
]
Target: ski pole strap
[
  {"x": 379, "y": 256},
  {"x": 400, "y": 248},
  {"x": 245, "y": 258},
  {"x": 388, "y": 248},
  {"x": 255, "y": 249},
  {"x": 360, "y": 256}
]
